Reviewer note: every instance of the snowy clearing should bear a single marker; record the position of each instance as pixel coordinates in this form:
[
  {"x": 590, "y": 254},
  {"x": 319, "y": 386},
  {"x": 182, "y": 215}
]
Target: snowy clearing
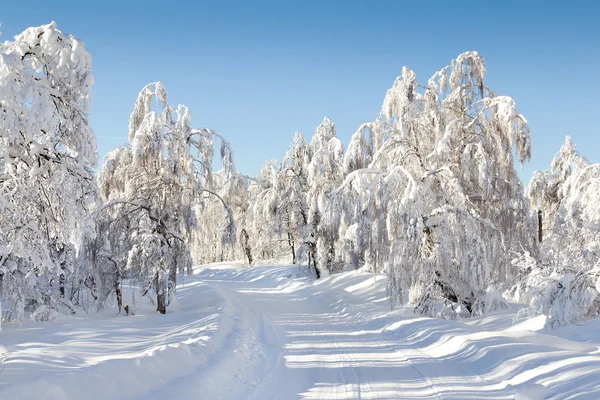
[{"x": 271, "y": 332}]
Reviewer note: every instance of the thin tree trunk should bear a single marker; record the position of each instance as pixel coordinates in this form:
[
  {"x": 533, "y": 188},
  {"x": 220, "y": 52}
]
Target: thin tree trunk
[
  {"x": 118, "y": 282},
  {"x": 375, "y": 267},
  {"x": 246, "y": 246},
  {"x": 291, "y": 243},
  {"x": 313, "y": 255},
  {"x": 159, "y": 283},
  {"x": 330, "y": 258},
  {"x": 61, "y": 285},
  {"x": 172, "y": 281},
  {"x": 119, "y": 294},
  {"x": 540, "y": 225}
]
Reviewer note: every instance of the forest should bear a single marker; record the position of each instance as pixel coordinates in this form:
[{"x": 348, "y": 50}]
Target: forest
[{"x": 427, "y": 193}]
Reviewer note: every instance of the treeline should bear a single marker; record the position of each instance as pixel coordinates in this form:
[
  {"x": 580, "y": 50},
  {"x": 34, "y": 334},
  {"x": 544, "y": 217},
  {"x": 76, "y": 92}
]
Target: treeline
[{"x": 427, "y": 193}]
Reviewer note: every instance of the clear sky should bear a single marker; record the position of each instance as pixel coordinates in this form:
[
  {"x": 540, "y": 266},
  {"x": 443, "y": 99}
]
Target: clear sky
[{"x": 259, "y": 71}]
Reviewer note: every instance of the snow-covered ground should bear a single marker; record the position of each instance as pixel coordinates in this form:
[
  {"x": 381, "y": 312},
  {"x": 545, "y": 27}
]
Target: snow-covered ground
[{"x": 272, "y": 333}]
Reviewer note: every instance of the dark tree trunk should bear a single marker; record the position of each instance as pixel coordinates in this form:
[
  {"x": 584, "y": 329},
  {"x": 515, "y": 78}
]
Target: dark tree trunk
[
  {"x": 330, "y": 258},
  {"x": 61, "y": 285},
  {"x": 119, "y": 295},
  {"x": 159, "y": 283},
  {"x": 449, "y": 293},
  {"x": 172, "y": 281},
  {"x": 90, "y": 283},
  {"x": 291, "y": 243},
  {"x": 540, "y": 226},
  {"x": 312, "y": 254},
  {"x": 246, "y": 245},
  {"x": 313, "y": 243},
  {"x": 118, "y": 282}
]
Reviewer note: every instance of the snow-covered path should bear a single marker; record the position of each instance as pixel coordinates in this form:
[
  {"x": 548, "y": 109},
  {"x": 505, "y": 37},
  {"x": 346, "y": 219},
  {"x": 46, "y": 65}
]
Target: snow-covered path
[
  {"x": 312, "y": 344},
  {"x": 330, "y": 341},
  {"x": 263, "y": 333}
]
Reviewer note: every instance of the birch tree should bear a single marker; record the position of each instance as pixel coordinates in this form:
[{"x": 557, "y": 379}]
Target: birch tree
[
  {"x": 325, "y": 173},
  {"x": 47, "y": 152},
  {"x": 443, "y": 175},
  {"x": 564, "y": 283},
  {"x": 150, "y": 189},
  {"x": 293, "y": 186}
]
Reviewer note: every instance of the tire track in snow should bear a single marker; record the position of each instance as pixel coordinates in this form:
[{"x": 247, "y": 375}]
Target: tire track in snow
[
  {"x": 267, "y": 376},
  {"x": 234, "y": 353},
  {"x": 346, "y": 361},
  {"x": 374, "y": 393}
]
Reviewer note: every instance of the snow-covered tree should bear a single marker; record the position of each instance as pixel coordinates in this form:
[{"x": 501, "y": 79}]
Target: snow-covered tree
[
  {"x": 265, "y": 227},
  {"x": 325, "y": 173},
  {"x": 292, "y": 187},
  {"x": 279, "y": 212},
  {"x": 103, "y": 260},
  {"x": 47, "y": 152},
  {"x": 442, "y": 173},
  {"x": 151, "y": 189},
  {"x": 563, "y": 283},
  {"x": 237, "y": 195},
  {"x": 362, "y": 147},
  {"x": 566, "y": 196},
  {"x": 208, "y": 246},
  {"x": 363, "y": 229}
]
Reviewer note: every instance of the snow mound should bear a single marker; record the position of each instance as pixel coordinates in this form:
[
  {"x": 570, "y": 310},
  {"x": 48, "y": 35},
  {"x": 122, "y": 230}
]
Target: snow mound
[{"x": 531, "y": 391}]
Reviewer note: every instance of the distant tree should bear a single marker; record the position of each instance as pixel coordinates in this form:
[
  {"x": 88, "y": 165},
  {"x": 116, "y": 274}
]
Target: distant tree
[
  {"x": 325, "y": 173},
  {"x": 266, "y": 228},
  {"x": 563, "y": 192},
  {"x": 364, "y": 229},
  {"x": 564, "y": 283},
  {"x": 292, "y": 187},
  {"x": 208, "y": 246}
]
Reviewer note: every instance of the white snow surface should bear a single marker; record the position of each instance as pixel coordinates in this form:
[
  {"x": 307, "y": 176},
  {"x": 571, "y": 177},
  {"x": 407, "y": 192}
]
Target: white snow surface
[{"x": 273, "y": 333}]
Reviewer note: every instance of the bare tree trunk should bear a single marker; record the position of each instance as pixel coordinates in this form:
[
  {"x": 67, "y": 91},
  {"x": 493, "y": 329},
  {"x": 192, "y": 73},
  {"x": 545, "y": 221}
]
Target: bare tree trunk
[
  {"x": 118, "y": 282},
  {"x": 291, "y": 243},
  {"x": 330, "y": 258},
  {"x": 246, "y": 246},
  {"x": 90, "y": 283},
  {"x": 61, "y": 277},
  {"x": 313, "y": 243},
  {"x": 61, "y": 285},
  {"x": 159, "y": 283},
  {"x": 172, "y": 281},
  {"x": 313, "y": 254},
  {"x": 119, "y": 294},
  {"x": 540, "y": 225}
]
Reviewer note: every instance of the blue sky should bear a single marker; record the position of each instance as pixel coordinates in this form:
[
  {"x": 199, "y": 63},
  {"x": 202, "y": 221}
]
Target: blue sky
[{"x": 259, "y": 71}]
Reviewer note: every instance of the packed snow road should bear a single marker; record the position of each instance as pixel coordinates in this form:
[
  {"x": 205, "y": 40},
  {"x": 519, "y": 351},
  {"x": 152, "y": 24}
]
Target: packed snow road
[{"x": 270, "y": 333}]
